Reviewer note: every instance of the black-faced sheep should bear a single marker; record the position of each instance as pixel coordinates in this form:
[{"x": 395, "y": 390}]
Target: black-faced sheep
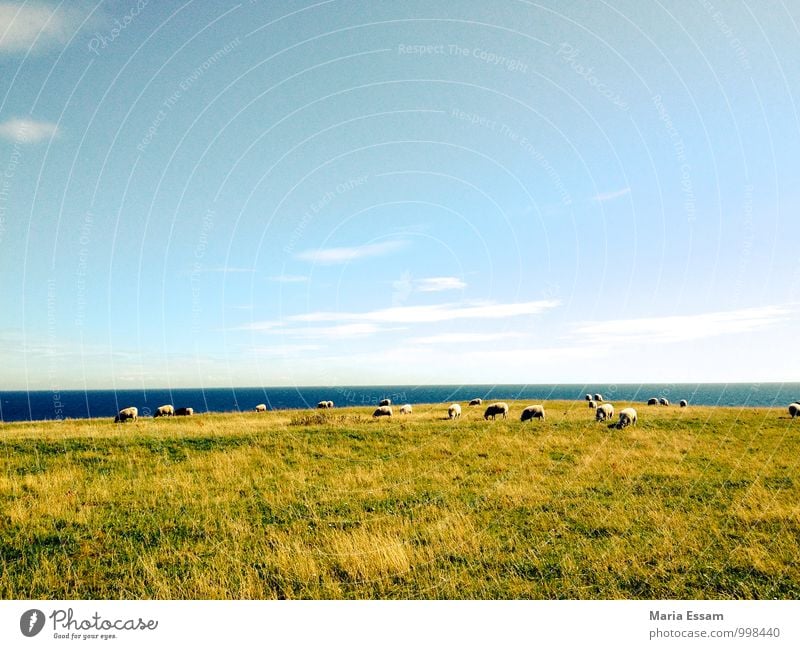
[
  {"x": 604, "y": 411},
  {"x": 532, "y": 412},
  {"x": 127, "y": 413},
  {"x": 627, "y": 417},
  {"x": 494, "y": 409},
  {"x": 382, "y": 411}
]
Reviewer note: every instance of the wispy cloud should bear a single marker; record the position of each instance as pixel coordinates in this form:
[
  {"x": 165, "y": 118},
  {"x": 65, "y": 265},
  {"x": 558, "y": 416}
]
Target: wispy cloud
[
  {"x": 436, "y": 284},
  {"x": 434, "y": 312},
  {"x": 34, "y": 24},
  {"x": 281, "y": 350},
  {"x": 381, "y": 320},
  {"x": 681, "y": 328},
  {"x": 609, "y": 196},
  {"x": 342, "y": 255},
  {"x": 227, "y": 269},
  {"x": 25, "y": 130},
  {"x": 288, "y": 279},
  {"x": 461, "y": 338}
]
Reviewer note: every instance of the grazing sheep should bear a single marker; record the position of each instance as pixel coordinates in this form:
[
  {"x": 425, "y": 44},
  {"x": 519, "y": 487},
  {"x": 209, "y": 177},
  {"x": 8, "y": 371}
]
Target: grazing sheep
[
  {"x": 598, "y": 398},
  {"x": 588, "y": 397},
  {"x": 382, "y": 411},
  {"x": 323, "y": 404},
  {"x": 164, "y": 411},
  {"x": 627, "y": 417},
  {"x": 494, "y": 409},
  {"x": 604, "y": 411},
  {"x": 405, "y": 409},
  {"x": 593, "y": 404},
  {"x": 532, "y": 412},
  {"x": 184, "y": 412},
  {"x": 652, "y": 401},
  {"x": 664, "y": 401},
  {"x": 454, "y": 411},
  {"x": 127, "y": 413},
  {"x": 683, "y": 403},
  {"x": 385, "y": 402},
  {"x": 261, "y": 407},
  {"x": 794, "y": 409},
  {"x": 476, "y": 402},
  {"x": 330, "y": 404}
]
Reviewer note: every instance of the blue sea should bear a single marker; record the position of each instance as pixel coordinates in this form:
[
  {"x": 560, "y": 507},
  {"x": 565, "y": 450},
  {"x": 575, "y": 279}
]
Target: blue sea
[{"x": 77, "y": 404}]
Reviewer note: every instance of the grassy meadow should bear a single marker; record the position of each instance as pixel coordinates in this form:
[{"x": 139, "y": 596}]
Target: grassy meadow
[{"x": 698, "y": 502}]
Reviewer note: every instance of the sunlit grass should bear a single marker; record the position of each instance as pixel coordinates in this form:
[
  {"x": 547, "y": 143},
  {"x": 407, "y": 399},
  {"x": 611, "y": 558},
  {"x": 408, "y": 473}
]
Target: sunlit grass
[{"x": 691, "y": 503}]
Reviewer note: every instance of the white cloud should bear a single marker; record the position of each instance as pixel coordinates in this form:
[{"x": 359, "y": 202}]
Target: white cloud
[
  {"x": 436, "y": 284},
  {"x": 348, "y": 324},
  {"x": 342, "y": 255},
  {"x": 458, "y": 338},
  {"x": 608, "y": 196},
  {"x": 25, "y": 130},
  {"x": 681, "y": 328},
  {"x": 281, "y": 350},
  {"x": 351, "y": 330},
  {"x": 288, "y": 279},
  {"x": 23, "y": 25}
]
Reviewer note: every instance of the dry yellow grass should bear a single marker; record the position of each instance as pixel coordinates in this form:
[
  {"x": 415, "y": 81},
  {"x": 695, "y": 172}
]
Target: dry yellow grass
[{"x": 691, "y": 503}]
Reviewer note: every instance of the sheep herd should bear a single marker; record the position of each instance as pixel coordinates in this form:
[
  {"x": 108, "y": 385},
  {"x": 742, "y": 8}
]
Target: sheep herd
[{"x": 603, "y": 411}]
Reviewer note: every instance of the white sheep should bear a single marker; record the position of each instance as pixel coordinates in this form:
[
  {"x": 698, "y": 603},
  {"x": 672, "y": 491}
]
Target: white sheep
[
  {"x": 794, "y": 409},
  {"x": 664, "y": 401},
  {"x": 476, "y": 402},
  {"x": 627, "y": 417},
  {"x": 127, "y": 413},
  {"x": 652, "y": 401},
  {"x": 261, "y": 407},
  {"x": 324, "y": 404},
  {"x": 385, "y": 402},
  {"x": 184, "y": 412},
  {"x": 494, "y": 409},
  {"x": 330, "y": 404},
  {"x": 454, "y": 411},
  {"x": 588, "y": 397},
  {"x": 382, "y": 411},
  {"x": 164, "y": 411},
  {"x": 683, "y": 403},
  {"x": 405, "y": 409},
  {"x": 593, "y": 404},
  {"x": 604, "y": 411},
  {"x": 533, "y": 412},
  {"x": 598, "y": 398}
]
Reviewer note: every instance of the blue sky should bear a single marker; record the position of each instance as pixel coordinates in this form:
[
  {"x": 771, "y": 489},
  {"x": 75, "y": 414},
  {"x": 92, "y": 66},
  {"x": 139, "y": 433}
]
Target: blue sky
[{"x": 341, "y": 192}]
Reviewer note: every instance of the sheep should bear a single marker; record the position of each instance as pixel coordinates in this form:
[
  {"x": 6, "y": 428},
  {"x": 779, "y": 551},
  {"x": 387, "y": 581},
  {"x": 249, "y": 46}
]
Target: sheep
[
  {"x": 588, "y": 397},
  {"x": 476, "y": 402},
  {"x": 261, "y": 407},
  {"x": 498, "y": 408},
  {"x": 592, "y": 404},
  {"x": 454, "y": 411},
  {"x": 385, "y": 402},
  {"x": 533, "y": 412},
  {"x": 323, "y": 404},
  {"x": 598, "y": 398},
  {"x": 184, "y": 412},
  {"x": 652, "y": 401},
  {"x": 382, "y": 411},
  {"x": 683, "y": 403},
  {"x": 627, "y": 417},
  {"x": 664, "y": 401},
  {"x": 330, "y": 404},
  {"x": 604, "y": 411},
  {"x": 127, "y": 413},
  {"x": 405, "y": 409},
  {"x": 794, "y": 409},
  {"x": 165, "y": 411}
]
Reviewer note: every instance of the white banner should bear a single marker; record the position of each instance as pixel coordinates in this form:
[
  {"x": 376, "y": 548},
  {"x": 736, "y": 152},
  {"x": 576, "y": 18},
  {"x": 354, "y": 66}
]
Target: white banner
[{"x": 388, "y": 624}]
